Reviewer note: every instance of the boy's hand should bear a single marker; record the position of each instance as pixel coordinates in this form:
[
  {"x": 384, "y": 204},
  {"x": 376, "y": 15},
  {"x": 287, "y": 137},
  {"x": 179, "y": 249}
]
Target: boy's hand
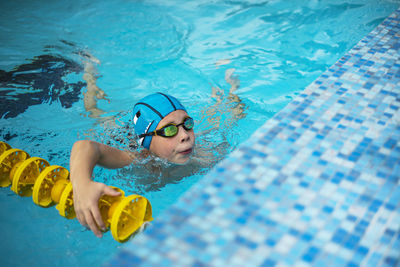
[{"x": 86, "y": 199}]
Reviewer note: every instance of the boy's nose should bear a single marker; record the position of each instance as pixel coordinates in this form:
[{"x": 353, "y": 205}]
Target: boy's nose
[{"x": 183, "y": 135}]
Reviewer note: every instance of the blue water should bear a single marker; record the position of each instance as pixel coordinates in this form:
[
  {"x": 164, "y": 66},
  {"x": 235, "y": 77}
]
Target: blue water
[{"x": 276, "y": 47}]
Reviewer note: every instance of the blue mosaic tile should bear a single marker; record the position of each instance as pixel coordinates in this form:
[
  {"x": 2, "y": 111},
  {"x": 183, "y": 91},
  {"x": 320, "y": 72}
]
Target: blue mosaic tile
[{"x": 317, "y": 185}]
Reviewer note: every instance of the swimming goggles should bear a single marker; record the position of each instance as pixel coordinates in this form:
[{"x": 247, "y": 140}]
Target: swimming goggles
[{"x": 171, "y": 129}]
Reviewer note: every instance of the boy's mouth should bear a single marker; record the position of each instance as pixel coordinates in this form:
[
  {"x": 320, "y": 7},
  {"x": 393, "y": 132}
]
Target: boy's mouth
[{"x": 187, "y": 151}]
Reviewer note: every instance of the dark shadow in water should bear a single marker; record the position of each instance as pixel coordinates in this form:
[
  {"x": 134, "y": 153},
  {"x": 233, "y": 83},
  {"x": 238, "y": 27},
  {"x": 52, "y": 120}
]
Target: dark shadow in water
[{"x": 37, "y": 82}]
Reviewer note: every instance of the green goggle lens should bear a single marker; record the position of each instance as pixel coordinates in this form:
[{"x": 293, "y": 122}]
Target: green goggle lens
[{"x": 170, "y": 130}]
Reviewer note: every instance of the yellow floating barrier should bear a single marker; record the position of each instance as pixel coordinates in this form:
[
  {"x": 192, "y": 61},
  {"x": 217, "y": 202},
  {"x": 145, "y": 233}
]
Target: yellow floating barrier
[{"x": 50, "y": 184}]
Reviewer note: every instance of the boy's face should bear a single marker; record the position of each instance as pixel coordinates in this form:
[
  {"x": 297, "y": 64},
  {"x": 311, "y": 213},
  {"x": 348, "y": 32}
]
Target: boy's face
[{"x": 176, "y": 149}]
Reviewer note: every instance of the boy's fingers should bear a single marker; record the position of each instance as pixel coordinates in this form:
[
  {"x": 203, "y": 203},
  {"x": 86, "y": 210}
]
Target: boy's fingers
[
  {"x": 229, "y": 72},
  {"x": 98, "y": 220},
  {"x": 92, "y": 225},
  {"x": 81, "y": 217},
  {"x": 111, "y": 192}
]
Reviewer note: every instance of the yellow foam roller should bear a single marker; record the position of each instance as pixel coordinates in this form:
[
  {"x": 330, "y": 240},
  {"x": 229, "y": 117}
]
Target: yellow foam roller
[
  {"x": 44, "y": 184},
  {"x": 3, "y": 147},
  {"x": 107, "y": 205},
  {"x": 129, "y": 216},
  {"x": 8, "y": 163},
  {"x": 26, "y": 174},
  {"x": 66, "y": 205}
]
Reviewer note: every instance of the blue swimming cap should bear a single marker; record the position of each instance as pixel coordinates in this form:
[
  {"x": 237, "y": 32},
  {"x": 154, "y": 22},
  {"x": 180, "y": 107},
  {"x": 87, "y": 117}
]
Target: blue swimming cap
[{"x": 149, "y": 111}]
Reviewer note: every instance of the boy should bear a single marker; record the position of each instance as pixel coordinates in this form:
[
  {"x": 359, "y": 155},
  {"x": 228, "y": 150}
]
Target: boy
[{"x": 164, "y": 129}]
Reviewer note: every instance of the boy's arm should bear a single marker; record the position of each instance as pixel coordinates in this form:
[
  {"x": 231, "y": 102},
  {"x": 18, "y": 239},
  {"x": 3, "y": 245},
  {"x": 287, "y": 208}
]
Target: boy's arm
[
  {"x": 85, "y": 155},
  {"x": 233, "y": 103}
]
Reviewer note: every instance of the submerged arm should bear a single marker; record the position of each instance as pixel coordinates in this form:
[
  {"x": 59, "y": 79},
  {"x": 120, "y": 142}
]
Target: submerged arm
[
  {"x": 232, "y": 104},
  {"x": 235, "y": 103},
  {"x": 93, "y": 92}
]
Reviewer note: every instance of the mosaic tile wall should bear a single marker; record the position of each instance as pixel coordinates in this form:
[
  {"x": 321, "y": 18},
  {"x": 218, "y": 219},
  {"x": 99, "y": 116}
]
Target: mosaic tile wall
[{"x": 317, "y": 185}]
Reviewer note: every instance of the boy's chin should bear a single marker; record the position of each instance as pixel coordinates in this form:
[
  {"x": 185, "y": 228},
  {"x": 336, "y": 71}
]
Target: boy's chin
[{"x": 181, "y": 160}]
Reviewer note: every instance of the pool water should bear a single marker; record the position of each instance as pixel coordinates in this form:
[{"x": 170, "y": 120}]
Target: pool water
[{"x": 178, "y": 47}]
